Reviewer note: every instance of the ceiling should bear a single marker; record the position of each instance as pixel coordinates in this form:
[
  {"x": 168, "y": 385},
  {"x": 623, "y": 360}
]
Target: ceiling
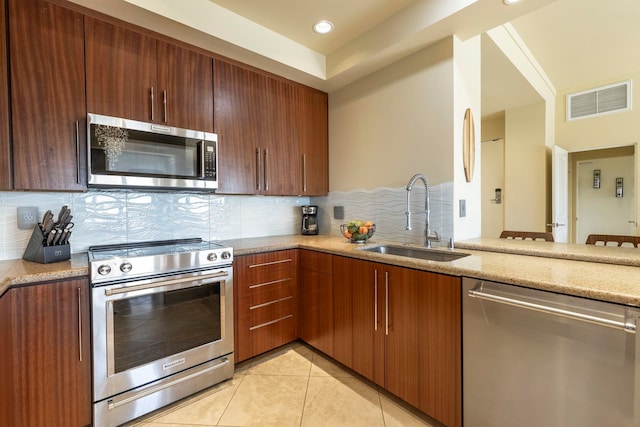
[{"x": 578, "y": 43}]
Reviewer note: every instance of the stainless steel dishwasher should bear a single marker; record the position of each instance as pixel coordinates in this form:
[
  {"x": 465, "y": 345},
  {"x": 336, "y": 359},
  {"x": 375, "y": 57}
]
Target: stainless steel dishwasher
[{"x": 536, "y": 358}]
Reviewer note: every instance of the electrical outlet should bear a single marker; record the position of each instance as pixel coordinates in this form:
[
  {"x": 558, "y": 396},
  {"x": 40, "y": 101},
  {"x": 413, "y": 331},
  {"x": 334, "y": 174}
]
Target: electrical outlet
[{"x": 27, "y": 217}]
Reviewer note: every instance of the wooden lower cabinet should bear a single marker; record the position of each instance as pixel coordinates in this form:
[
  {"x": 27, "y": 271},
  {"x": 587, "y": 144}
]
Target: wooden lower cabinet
[
  {"x": 45, "y": 361},
  {"x": 315, "y": 324},
  {"x": 401, "y": 329},
  {"x": 266, "y": 300}
]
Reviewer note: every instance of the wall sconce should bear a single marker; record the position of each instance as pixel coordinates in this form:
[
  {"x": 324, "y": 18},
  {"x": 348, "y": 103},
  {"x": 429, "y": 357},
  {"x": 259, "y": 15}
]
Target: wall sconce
[
  {"x": 618, "y": 187},
  {"x": 596, "y": 178}
]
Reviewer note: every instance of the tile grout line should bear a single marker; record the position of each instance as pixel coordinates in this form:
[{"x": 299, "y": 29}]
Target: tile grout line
[{"x": 306, "y": 391}]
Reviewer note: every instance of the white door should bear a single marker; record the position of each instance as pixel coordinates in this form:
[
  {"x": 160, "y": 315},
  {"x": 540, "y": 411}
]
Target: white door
[
  {"x": 598, "y": 210},
  {"x": 560, "y": 203},
  {"x": 492, "y": 169}
]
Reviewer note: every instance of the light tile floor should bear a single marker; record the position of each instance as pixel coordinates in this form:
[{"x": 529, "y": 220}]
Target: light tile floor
[{"x": 290, "y": 386}]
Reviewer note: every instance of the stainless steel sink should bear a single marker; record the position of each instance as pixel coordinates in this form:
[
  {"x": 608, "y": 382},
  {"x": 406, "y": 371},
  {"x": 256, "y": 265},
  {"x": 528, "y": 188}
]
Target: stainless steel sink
[{"x": 411, "y": 252}]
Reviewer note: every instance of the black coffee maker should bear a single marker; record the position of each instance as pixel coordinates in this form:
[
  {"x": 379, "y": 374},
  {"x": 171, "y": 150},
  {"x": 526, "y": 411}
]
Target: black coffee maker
[{"x": 309, "y": 220}]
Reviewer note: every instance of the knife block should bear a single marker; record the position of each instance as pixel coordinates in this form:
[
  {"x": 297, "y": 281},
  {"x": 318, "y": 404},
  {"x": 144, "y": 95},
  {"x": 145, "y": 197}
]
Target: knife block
[{"x": 37, "y": 251}]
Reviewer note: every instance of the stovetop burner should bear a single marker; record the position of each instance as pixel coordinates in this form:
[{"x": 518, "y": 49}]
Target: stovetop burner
[{"x": 135, "y": 260}]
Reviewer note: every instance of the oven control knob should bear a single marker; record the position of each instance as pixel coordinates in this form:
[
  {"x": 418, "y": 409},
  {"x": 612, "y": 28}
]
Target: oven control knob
[
  {"x": 126, "y": 267},
  {"x": 103, "y": 270},
  {"x": 226, "y": 255},
  {"x": 212, "y": 256}
]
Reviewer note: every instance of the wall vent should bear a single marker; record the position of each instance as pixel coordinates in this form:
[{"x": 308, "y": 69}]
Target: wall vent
[{"x": 607, "y": 99}]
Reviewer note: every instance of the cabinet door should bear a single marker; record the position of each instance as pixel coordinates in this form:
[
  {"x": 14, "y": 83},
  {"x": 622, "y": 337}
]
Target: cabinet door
[
  {"x": 5, "y": 147},
  {"x": 121, "y": 72},
  {"x": 316, "y": 300},
  {"x": 47, "y": 96},
  {"x": 343, "y": 329},
  {"x": 239, "y": 105},
  {"x": 368, "y": 319},
  {"x": 403, "y": 335},
  {"x": 314, "y": 141},
  {"x": 280, "y": 171},
  {"x": 52, "y": 370},
  {"x": 439, "y": 347},
  {"x": 185, "y": 82}
]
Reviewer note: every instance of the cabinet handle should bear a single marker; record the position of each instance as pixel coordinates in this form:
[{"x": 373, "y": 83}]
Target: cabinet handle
[
  {"x": 273, "y": 282},
  {"x": 266, "y": 172},
  {"x": 152, "y": 103},
  {"x": 304, "y": 173},
  {"x": 280, "y": 261},
  {"x": 77, "y": 151},
  {"x": 375, "y": 300},
  {"x": 164, "y": 104},
  {"x": 258, "y": 168},
  {"x": 262, "y": 325},
  {"x": 386, "y": 301},
  {"x": 80, "y": 324}
]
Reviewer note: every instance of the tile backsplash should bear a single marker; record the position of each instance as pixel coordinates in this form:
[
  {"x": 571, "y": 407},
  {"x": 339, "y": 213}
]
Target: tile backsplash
[
  {"x": 106, "y": 217},
  {"x": 387, "y": 207}
]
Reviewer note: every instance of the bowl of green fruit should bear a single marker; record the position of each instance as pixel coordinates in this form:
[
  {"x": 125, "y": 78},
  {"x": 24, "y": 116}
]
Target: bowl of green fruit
[{"x": 358, "y": 231}]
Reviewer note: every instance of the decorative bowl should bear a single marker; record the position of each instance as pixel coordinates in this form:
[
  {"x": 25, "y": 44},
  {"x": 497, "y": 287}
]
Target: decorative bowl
[{"x": 358, "y": 231}]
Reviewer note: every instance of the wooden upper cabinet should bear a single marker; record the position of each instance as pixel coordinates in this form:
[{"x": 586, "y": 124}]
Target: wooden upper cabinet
[
  {"x": 121, "y": 71},
  {"x": 313, "y": 136},
  {"x": 5, "y": 147},
  {"x": 135, "y": 76},
  {"x": 281, "y": 152},
  {"x": 186, "y": 88},
  {"x": 47, "y": 96},
  {"x": 257, "y": 118},
  {"x": 238, "y": 120}
]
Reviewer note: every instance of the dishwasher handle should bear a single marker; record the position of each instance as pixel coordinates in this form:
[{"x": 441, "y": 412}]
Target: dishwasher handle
[{"x": 627, "y": 326}]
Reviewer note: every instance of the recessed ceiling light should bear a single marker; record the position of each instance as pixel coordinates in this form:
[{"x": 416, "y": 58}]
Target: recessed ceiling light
[
  {"x": 510, "y": 2},
  {"x": 323, "y": 27}
]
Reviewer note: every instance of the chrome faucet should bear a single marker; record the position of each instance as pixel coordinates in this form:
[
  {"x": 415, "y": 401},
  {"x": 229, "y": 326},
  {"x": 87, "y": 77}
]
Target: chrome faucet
[{"x": 429, "y": 236}]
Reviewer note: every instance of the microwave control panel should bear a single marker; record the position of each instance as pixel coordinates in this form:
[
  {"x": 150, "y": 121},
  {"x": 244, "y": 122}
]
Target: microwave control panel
[{"x": 209, "y": 161}]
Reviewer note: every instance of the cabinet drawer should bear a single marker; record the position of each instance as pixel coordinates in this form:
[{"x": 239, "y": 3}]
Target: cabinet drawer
[
  {"x": 258, "y": 273},
  {"x": 260, "y": 314},
  {"x": 315, "y": 261},
  {"x": 254, "y": 341},
  {"x": 266, "y": 295}
]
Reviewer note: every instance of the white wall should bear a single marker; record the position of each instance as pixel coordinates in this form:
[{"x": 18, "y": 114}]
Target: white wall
[
  {"x": 526, "y": 180},
  {"x": 466, "y": 95},
  {"x": 394, "y": 123}
]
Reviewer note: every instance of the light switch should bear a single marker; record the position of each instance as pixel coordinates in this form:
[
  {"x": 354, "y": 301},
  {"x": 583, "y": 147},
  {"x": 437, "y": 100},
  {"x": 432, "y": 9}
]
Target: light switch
[{"x": 463, "y": 208}]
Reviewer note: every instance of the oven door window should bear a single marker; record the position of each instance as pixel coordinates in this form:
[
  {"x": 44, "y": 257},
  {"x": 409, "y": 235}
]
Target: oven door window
[{"x": 150, "y": 327}]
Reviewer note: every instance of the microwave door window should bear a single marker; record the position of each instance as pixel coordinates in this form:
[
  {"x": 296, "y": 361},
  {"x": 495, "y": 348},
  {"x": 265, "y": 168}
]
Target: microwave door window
[{"x": 164, "y": 156}]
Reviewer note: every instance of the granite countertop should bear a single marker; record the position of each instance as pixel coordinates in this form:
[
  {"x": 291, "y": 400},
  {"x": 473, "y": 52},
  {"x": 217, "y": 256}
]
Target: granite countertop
[
  {"x": 593, "y": 253},
  {"x": 570, "y": 269},
  {"x": 20, "y": 272}
]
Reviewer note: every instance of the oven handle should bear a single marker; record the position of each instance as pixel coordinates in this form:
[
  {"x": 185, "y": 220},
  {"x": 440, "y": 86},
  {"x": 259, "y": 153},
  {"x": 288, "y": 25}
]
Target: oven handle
[
  {"x": 113, "y": 403},
  {"x": 202, "y": 279}
]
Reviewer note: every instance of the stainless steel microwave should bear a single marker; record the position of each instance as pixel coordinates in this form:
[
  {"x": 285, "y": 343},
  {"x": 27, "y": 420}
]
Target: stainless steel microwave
[{"x": 128, "y": 153}]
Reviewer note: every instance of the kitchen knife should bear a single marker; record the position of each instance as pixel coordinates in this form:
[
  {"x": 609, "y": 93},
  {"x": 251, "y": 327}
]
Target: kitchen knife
[
  {"x": 51, "y": 236},
  {"x": 48, "y": 224},
  {"x": 56, "y": 239},
  {"x": 65, "y": 237},
  {"x": 44, "y": 219}
]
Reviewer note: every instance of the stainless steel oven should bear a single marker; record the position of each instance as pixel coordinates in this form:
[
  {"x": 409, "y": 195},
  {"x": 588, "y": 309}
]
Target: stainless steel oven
[{"x": 162, "y": 325}]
